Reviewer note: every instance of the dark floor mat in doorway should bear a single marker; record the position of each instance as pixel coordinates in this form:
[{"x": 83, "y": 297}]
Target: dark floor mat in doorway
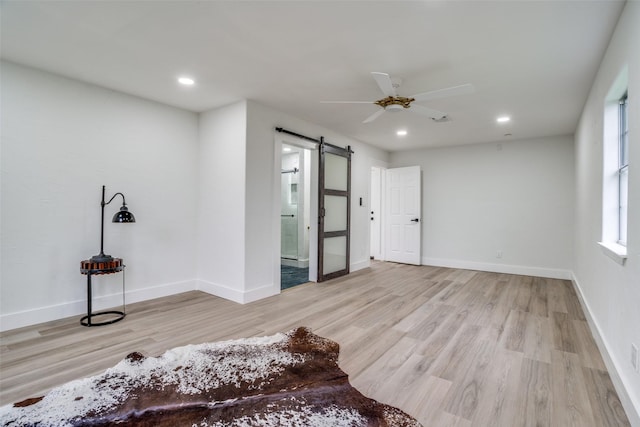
[{"x": 292, "y": 276}]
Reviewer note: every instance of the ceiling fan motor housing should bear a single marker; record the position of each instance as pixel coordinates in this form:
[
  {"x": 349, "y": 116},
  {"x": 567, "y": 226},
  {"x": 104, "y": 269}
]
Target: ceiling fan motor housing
[{"x": 394, "y": 103}]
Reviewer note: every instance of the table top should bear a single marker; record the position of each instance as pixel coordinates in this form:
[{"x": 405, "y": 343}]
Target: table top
[{"x": 112, "y": 266}]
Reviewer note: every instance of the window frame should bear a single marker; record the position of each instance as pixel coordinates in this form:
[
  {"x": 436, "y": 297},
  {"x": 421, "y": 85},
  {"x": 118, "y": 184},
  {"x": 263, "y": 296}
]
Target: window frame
[
  {"x": 614, "y": 172},
  {"x": 623, "y": 167}
]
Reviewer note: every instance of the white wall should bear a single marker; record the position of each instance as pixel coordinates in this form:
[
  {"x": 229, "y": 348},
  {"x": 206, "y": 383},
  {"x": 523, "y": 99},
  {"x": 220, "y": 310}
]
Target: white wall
[
  {"x": 611, "y": 291},
  {"x": 260, "y": 237},
  {"x": 221, "y": 201},
  {"x": 364, "y": 158},
  {"x": 515, "y": 197},
  {"x": 235, "y": 205},
  {"x": 61, "y": 141}
]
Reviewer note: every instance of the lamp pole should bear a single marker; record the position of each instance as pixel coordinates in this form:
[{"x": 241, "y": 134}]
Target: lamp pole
[
  {"x": 102, "y": 205},
  {"x": 122, "y": 216}
]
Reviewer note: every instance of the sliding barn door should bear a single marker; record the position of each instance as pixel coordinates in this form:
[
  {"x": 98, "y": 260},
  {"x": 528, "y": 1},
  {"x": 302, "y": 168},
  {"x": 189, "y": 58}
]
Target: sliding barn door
[{"x": 334, "y": 211}]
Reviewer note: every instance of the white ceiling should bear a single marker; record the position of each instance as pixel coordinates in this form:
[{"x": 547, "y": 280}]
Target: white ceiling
[{"x": 532, "y": 60}]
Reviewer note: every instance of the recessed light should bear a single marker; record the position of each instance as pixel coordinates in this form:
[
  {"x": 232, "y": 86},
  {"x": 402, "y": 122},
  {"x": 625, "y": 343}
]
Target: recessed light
[
  {"x": 503, "y": 119},
  {"x": 401, "y": 132},
  {"x": 286, "y": 149},
  {"x": 187, "y": 81}
]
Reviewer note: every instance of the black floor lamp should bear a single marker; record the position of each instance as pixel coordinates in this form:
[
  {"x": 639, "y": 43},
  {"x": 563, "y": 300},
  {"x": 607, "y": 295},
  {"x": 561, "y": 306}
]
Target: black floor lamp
[
  {"x": 122, "y": 216},
  {"x": 105, "y": 264}
]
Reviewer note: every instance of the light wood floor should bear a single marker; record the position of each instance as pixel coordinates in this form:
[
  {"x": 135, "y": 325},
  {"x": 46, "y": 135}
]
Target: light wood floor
[{"x": 450, "y": 347}]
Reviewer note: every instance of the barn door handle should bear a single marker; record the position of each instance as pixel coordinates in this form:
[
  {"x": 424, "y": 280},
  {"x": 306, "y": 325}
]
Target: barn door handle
[{"x": 415, "y": 220}]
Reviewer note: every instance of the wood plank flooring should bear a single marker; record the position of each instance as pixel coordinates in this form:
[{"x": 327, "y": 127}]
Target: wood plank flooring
[{"x": 450, "y": 347}]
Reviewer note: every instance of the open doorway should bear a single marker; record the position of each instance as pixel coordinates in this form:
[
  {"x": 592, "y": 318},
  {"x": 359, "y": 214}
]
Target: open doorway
[{"x": 295, "y": 215}]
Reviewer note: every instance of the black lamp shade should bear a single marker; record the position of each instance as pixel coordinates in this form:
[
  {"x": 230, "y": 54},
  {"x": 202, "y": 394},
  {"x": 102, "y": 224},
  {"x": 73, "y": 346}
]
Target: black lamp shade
[{"x": 123, "y": 216}]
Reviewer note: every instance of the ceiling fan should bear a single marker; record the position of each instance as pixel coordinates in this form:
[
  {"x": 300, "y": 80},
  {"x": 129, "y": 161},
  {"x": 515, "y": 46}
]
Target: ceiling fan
[{"x": 394, "y": 103}]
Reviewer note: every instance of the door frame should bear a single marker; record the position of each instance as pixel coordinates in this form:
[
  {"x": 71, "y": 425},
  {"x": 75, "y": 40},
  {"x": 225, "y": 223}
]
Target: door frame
[
  {"x": 276, "y": 226},
  {"x": 379, "y": 255}
]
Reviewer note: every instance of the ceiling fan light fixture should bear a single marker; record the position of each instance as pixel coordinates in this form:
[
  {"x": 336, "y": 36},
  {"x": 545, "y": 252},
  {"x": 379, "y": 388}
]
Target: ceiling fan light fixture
[{"x": 394, "y": 108}]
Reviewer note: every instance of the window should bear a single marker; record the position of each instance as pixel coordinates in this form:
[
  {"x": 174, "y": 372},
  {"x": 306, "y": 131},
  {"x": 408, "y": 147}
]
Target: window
[
  {"x": 623, "y": 170},
  {"x": 615, "y": 171}
]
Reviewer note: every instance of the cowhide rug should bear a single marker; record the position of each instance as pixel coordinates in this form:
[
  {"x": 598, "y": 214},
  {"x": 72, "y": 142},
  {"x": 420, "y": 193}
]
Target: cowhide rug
[{"x": 290, "y": 379}]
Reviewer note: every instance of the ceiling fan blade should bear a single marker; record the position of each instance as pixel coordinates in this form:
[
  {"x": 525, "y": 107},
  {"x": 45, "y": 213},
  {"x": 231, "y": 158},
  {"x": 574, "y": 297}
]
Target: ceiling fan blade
[
  {"x": 385, "y": 83},
  {"x": 444, "y": 93},
  {"x": 346, "y": 102},
  {"x": 434, "y": 114},
  {"x": 374, "y": 116}
]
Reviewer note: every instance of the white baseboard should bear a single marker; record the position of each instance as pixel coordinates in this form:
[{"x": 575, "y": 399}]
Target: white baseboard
[
  {"x": 632, "y": 409},
  {"x": 260, "y": 293},
  {"x": 219, "y": 291},
  {"x": 42, "y": 314},
  {"x": 551, "y": 273},
  {"x": 144, "y": 294},
  {"x": 355, "y": 266},
  {"x": 78, "y": 308},
  {"x": 234, "y": 294}
]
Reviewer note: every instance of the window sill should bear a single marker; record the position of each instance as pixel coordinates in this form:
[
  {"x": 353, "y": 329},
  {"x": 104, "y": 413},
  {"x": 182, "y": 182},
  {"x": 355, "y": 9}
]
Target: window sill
[{"x": 616, "y": 252}]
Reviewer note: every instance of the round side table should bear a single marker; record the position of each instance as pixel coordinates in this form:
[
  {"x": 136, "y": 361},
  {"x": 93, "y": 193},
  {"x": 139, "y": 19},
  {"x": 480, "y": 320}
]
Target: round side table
[{"x": 91, "y": 268}]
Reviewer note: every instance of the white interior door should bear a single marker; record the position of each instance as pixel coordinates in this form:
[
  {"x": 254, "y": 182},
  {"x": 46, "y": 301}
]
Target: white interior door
[{"x": 403, "y": 217}]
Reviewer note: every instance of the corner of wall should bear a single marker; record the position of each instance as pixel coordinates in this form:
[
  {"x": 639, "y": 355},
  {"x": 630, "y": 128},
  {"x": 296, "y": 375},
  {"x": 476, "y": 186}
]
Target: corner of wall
[
  {"x": 359, "y": 265},
  {"x": 234, "y": 295}
]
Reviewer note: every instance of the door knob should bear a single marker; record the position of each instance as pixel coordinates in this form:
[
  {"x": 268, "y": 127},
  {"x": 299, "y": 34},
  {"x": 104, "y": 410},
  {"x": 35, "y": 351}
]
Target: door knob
[{"x": 415, "y": 220}]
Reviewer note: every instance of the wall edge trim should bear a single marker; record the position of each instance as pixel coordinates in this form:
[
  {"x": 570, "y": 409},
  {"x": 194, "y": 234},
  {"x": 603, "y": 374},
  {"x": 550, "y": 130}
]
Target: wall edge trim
[
  {"x": 551, "y": 273},
  {"x": 631, "y": 409},
  {"x": 240, "y": 297},
  {"x": 355, "y": 266},
  {"x": 79, "y": 307}
]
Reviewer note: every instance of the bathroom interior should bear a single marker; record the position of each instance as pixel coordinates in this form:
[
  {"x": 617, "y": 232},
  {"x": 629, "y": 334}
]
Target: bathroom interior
[{"x": 295, "y": 216}]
